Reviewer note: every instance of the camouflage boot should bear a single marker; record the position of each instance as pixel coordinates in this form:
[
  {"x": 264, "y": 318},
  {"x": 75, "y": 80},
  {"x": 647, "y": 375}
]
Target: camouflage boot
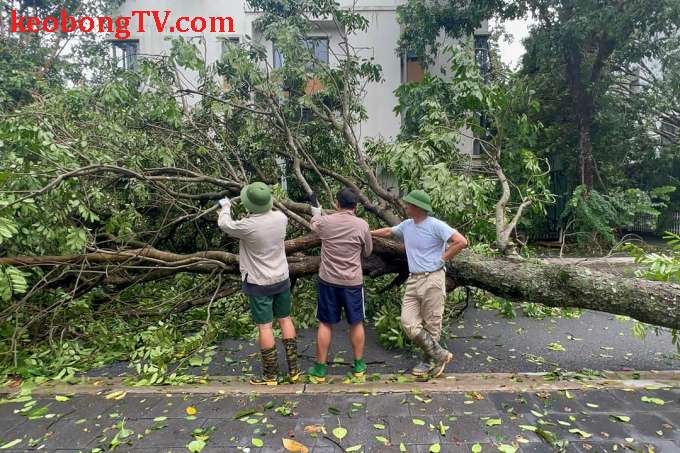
[
  {"x": 270, "y": 368},
  {"x": 290, "y": 344}
]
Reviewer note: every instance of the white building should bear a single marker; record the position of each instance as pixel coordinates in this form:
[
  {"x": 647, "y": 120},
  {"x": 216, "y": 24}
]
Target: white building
[{"x": 379, "y": 42}]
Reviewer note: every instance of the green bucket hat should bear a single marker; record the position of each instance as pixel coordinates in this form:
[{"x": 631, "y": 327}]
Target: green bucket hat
[
  {"x": 257, "y": 198},
  {"x": 419, "y": 198}
]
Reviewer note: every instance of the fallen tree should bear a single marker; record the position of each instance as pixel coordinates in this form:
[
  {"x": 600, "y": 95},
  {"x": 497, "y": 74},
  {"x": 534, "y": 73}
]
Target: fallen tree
[{"x": 514, "y": 279}]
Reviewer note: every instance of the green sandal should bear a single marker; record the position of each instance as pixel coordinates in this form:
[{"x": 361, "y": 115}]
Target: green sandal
[
  {"x": 317, "y": 373},
  {"x": 360, "y": 368}
]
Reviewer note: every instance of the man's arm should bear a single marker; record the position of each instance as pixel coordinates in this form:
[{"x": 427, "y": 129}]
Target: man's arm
[
  {"x": 457, "y": 243},
  {"x": 382, "y": 233},
  {"x": 368, "y": 243},
  {"x": 226, "y": 223}
]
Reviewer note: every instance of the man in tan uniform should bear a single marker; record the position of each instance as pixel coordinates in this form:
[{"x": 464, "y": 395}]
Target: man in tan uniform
[
  {"x": 430, "y": 243},
  {"x": 264, "y": 275}
]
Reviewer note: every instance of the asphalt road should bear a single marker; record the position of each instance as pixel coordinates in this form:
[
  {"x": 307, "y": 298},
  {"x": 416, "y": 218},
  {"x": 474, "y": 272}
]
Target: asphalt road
[{"x": 483, "y": 341}]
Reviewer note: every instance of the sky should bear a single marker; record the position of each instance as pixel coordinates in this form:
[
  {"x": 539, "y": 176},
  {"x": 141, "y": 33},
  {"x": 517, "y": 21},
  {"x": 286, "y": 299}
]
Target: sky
[{"x": 511, "y": 53}]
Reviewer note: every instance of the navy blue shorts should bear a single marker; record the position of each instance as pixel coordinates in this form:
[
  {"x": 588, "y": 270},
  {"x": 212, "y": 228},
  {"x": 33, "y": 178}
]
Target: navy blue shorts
[{"x": 332, "y": 300}]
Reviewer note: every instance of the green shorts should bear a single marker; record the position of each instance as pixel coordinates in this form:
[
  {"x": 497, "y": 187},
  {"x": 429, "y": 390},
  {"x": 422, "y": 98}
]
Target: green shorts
[{"x": 264, "y": 309}]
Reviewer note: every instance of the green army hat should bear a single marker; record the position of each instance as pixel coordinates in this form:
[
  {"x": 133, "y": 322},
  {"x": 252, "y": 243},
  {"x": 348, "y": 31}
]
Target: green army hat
[
  {"x": 257, "y": 198},
  {"x": 419, "y": 198}
]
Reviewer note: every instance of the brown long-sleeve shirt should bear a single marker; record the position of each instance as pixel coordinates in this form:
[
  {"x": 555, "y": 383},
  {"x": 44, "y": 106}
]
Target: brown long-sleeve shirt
[{"x": 344, "y": 239}]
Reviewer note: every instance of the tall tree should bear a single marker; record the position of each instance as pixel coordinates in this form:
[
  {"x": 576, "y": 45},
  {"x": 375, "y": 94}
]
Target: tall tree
[{"x": 580, "y": 42}]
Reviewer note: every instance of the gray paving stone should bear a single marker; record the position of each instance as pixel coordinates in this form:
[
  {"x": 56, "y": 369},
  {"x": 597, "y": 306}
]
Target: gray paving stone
[
  {"x": 634, "y": 400},
  {"x": 449, "y": 448},
  {"x": 541, "y": 447},
  {"x": 467, "y": 428},
  {"x": 59, "y": 433},
  {"x": 605, "y": 400},
  {"x": 559, "y": 402},
  {"x": 646, "y": 426},
  {"x": 603, "y": 428},
  {"x": 404, "y": 430},
  {"x": 517, "y": 403},
  {"x": 174, "y": 432},
  {"x": 360, "y": 431},
  {"x": 461, "y": 403},
  {"x": 389, "y": 405}
]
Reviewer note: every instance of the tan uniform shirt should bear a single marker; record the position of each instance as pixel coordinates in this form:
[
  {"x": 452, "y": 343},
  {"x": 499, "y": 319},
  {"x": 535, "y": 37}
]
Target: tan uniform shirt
[
  {"x": 262, "y": 255},
  {"x": 344, "y": 237}
]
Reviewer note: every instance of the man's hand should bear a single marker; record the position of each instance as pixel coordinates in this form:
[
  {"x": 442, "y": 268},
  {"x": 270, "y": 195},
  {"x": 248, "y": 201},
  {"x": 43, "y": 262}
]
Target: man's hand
[
  {"x": 225, "y": 203},
  {"x": 314, "y": 205}
]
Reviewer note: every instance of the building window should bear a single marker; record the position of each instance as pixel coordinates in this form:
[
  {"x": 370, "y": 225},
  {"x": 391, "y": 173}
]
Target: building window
[
  {"x": 227, "y": 43},
  {"x": 125, "y": 53},
  {"x": 412, "y": 68},
  {"x": 319, "y": 47},
  {"x": 482, "y": 55}
]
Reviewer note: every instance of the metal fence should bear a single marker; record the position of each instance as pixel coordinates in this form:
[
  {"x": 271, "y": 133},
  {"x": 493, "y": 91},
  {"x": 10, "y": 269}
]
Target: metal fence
[{"x": 649, "y": 224}]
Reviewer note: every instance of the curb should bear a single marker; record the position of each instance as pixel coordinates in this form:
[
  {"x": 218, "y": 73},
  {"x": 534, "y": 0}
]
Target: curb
[{"x": 450, "y": 383}]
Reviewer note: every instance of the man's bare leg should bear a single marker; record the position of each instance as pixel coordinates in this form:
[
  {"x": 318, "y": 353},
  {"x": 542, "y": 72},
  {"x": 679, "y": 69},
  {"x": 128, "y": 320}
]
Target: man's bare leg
[{"x": 357, "y": 337}]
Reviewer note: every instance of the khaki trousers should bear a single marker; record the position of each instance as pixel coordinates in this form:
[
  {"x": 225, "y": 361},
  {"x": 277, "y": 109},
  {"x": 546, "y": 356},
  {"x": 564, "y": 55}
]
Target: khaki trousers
[{"x": 423, "y": 306}]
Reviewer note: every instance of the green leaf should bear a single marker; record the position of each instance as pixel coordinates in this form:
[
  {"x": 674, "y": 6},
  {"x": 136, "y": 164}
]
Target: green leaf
[
  {"x": 257, "y": 442},
  {"x": 10, "y": 444},
  {"x": 382, "y": 440},
  {"x": 378, "y": 426},
  {"x": 505, "y": 448},
  {"x": 657, "y": 401},
  {"x": 196, "y": 446},
  {"x": 353, "y": 448},
  {"x": 476, "y": 448},
  {"x": 435, "y": 448},
  {"x": 493, "y": 422},
  {"x": 419, "y": 422},
  {"x": 402, "y": 447},
  {"x": 556, "y": 347},
  {"x": 340, "y": 432},
  {"x": 581, "y": 433},
  {"x": 620, "y": 418}
]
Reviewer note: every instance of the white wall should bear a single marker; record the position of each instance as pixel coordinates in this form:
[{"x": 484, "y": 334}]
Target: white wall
[{"x": 378, "y": 41}]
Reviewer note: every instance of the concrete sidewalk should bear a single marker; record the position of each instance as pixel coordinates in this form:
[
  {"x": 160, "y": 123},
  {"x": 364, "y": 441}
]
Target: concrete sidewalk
[{"x": 591, "y": 416}]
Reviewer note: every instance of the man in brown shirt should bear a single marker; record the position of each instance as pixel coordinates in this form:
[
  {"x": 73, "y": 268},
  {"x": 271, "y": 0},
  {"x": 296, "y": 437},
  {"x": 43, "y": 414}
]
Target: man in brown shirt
[{"x": 345, "y": 238}]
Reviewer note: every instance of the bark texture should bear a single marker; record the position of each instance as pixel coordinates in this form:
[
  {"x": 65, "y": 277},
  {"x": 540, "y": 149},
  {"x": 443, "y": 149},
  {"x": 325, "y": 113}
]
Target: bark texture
[{"x": 558, "y": 285}]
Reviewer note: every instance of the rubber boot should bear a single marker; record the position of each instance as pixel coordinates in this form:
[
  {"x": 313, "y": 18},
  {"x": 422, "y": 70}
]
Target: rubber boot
[
  {"x": 270, "y": 368},
  {"x": 290, "y": 344},
  {"x": 424, "y": 367},
  {"x": 440, "y": 356}
]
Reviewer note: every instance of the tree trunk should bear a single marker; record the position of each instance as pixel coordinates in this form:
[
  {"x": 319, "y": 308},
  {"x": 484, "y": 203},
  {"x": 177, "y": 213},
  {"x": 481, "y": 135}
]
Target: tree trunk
[
  {"x": 557, "y": 285},
  {"x": 513, "y": 279},
  {"x": 585, "y": 152}
]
